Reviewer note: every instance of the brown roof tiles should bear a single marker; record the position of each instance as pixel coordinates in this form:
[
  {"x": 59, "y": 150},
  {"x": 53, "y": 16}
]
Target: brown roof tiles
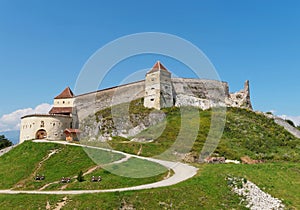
[
  {"x": 67, "y": 93},
  {"x": 158, "y": 67},
  {"x": 60, "y": 110},
  {"x": 72, "y": 130}
]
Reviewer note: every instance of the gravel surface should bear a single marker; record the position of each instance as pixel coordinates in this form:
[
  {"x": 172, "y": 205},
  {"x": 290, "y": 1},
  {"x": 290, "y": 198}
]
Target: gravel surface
[{"x": 255, "y": 198}]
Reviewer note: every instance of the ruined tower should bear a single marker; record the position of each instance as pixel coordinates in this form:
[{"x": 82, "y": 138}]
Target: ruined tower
[{"x": 158, "y": 87}]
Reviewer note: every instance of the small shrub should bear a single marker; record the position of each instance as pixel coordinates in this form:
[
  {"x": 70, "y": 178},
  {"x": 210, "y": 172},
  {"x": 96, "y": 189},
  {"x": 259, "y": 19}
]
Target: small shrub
[
  {"x": 290, "y": 122},
  {"x": 80, "y": 177}
]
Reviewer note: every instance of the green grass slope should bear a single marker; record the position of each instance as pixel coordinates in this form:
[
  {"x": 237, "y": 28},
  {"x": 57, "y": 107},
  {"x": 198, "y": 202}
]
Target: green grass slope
[
  {"x": 19, "y": 167},
  {"x": 207, "y": 190},
  {"x": 245, "y": 133},
  {"x": 21, "y": 161}
]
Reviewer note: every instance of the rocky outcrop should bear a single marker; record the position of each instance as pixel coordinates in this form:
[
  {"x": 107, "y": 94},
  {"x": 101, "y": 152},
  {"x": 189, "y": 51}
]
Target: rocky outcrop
[
  {"x": 215, "y": 160},
  {"x": 248, "y": 160},
  {"x": 255, "y": 198},
  {"x": 104, "y": 128},
  {"x": 294, "y": 131}
]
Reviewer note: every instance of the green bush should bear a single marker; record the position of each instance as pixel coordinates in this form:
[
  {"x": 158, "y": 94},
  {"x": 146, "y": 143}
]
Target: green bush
[
  {"x": 290, "y": 122},
  {"x": 80, "y": 177},
  {"x": 4, "y": 142}
]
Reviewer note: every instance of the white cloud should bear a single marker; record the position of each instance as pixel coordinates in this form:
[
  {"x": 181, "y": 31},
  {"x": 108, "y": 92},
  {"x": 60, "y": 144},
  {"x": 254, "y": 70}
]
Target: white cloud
[
  {"x": 295, "y": 119},
  {"x": 12, "y": 120}
]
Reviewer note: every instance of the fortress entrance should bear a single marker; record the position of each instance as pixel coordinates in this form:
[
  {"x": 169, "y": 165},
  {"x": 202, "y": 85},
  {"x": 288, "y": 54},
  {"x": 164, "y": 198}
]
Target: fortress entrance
[{"x": 41, "y": 134}]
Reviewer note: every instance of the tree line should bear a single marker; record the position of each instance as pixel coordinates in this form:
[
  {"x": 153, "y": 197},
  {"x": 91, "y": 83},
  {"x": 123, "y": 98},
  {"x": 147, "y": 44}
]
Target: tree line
[{"x": 4, "y": 142}]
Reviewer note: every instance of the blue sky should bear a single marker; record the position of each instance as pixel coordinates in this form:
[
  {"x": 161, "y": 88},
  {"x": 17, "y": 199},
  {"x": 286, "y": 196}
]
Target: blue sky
[{"x": 44, "y": 45}]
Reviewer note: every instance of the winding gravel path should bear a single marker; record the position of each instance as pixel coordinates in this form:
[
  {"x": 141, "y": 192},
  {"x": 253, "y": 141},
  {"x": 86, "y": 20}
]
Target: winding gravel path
[{"x": 182, "y": 172}]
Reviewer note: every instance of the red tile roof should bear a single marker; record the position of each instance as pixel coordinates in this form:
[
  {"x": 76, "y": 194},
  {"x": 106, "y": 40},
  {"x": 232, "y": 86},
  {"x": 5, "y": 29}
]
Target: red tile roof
[
  {"x": 158, "y": 67},
  {"x": 67, "y": 93},
  {"x": 45, "y": 115},
  {"x": 60, "y": 110},
  {"x": 72, "y": 130}
]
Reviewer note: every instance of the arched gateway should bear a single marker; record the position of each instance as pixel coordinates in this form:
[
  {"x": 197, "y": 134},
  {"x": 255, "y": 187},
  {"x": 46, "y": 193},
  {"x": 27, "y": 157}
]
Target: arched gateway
[
  {"x": 53, "y": 124},
  {"x": 41, "y": 134}
]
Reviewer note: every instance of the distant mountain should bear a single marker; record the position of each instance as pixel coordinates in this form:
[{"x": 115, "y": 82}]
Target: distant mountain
[{"x": 12, "y": 136}]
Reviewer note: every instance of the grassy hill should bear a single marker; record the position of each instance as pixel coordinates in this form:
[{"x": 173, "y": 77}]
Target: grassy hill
[
  {"x": 245, "y": 133},
  {"x": 207, "y": 190},
  {"x": 19, "y": 167}
]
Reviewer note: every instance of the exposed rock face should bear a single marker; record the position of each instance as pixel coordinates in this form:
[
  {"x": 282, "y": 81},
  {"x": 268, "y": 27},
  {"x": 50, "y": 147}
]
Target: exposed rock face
[
  {"x": 103, "y": 128},
  {"x": 294, "y": 131}
]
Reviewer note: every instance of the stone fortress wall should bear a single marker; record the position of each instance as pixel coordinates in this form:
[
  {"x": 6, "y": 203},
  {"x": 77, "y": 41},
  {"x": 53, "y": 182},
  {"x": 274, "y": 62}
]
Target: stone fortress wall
[
  {"x": 186, "y": 92},
  {"x": 158, "y": 89},
  {"x": 88, "y": 103}
]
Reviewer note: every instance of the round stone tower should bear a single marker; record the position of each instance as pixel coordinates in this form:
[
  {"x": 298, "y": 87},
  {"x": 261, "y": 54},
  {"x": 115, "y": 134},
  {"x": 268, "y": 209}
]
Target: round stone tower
[{"x": 50, "y": 126}]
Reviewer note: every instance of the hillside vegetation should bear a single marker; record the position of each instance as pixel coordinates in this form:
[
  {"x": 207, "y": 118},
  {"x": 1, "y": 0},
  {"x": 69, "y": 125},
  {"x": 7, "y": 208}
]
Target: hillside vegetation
[
  {"x": 4, "y": 142},
  {"x": 207, "y": 190},
  {"x": 21, "y": 165},
  {"x": 245, "y": 133}
]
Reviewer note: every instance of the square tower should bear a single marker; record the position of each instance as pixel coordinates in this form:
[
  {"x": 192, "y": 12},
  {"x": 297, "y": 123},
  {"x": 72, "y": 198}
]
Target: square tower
[
  {"x": 158, "y": 87},
  {"x": 63, "y": 103}
]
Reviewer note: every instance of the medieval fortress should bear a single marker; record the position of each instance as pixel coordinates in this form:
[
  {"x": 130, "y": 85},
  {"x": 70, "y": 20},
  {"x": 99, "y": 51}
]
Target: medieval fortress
[{"x": 158, "y": 90}]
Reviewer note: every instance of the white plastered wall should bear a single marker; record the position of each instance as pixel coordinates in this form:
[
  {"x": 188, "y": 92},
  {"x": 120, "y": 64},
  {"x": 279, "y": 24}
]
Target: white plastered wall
[
  {"x": 66, "y": 102},
  {"x": 53, "y": 125}
]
